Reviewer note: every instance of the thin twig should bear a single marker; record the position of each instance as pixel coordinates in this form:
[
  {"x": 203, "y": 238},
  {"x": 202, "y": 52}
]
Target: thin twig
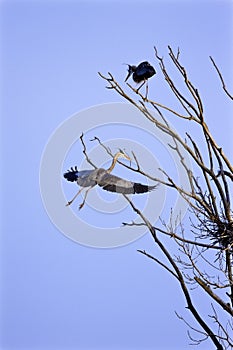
[
  {"x": 85, "y": 152},
  {"x": 221, "y": 78}
]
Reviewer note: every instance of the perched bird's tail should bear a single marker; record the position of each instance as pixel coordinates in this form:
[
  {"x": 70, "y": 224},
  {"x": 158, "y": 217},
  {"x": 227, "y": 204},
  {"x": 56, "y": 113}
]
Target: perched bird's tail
[{"x": 72, "y": 174}]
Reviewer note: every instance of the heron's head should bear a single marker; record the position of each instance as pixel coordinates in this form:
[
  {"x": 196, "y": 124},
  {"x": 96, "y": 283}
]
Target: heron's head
[
  {"x": 119, "y": 154},
  {"x": 122, "y": 154},
  {"x": 131, "y": 69}
]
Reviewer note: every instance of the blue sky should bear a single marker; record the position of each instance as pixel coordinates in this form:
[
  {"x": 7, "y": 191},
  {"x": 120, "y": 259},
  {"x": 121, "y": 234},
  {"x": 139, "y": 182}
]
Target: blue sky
[{"x": 58, "y": 294}]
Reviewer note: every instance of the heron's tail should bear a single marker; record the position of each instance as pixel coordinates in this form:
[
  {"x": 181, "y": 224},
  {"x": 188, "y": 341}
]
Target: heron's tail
[{"x": 72, "y": 174}]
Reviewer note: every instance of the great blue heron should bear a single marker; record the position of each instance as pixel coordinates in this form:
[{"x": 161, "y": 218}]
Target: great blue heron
[
  {"x": 141, "y": 73},
  {"x": 103, "y": 178}
]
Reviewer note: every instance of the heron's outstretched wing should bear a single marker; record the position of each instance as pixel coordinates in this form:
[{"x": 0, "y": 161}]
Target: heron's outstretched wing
[{"x": 114, "y": 183}]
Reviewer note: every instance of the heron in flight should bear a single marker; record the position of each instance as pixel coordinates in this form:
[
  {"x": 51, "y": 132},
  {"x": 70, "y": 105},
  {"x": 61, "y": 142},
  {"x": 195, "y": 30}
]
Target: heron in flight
[
  {"x": 103, "y": 178},
  {"x": 141, "y": 73}
]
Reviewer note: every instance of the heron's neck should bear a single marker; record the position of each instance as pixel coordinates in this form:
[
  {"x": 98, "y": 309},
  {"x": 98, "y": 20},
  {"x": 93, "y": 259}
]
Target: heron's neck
[{"x": 113, "y": 163}]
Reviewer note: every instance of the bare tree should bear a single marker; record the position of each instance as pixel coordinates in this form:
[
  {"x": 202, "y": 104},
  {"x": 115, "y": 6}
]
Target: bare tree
[{"x": 204, "y": 249}]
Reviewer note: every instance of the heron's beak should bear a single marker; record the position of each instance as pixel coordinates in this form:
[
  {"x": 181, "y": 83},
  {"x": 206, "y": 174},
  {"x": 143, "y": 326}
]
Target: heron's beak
[
  {"x": 128, "y": 158},
  {"x": 124, "y": 154}
]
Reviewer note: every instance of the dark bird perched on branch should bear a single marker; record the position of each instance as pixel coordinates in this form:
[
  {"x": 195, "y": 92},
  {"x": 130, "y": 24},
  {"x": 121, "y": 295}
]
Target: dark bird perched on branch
[
  {"x": 103, "y": 178},
  {"x": 141, "y": 73}
]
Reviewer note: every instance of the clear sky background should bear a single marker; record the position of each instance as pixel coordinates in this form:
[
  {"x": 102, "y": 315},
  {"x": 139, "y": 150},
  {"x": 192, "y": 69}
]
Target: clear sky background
[{"x": 55, "y": 293}]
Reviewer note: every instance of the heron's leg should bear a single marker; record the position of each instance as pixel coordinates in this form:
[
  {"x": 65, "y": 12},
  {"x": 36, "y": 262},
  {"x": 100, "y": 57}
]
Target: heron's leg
[
  {"x": 146, "y": 90},
  {"x": 141, "y": 85},
  {"x": 70, "y": 202},
  {"x": 85, "y": 196}
]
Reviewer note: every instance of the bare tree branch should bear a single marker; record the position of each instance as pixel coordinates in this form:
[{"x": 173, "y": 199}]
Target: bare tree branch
[
  {"x": 225, "y": 306},
  {"x": 221, "y": 78},
  {"x": 85, "y": 152}
]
